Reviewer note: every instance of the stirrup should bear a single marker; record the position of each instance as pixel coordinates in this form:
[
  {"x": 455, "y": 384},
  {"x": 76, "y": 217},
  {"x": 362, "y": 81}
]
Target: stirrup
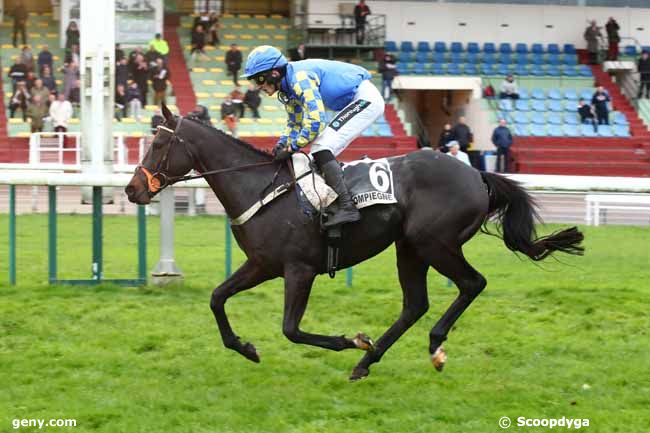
[{"x": 334, "y": 237}]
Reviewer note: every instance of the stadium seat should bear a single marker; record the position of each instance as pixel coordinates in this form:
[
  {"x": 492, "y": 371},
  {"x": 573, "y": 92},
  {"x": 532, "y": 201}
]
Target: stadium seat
[
  {"x": 537, "y": 71},
  {"x": 487, "y": 69},
  {"x": 538, "y": 94},
  {"x": 570, "y": 94},
  {"x": 472, "y": 58},
  {"x": 523, "y": 93},
  {"x": 521, "y": 70},
  {"x": 587, "y": 130},
  {"x": 440, "y": 47},
  {"x": 489, "y": 58},
  {"x": 538, "y": 59},
  {"x": 587, "y": 94},
  {"x": 570, "y": 59},
  {"x": 521, "y": 48},
  {"x": 538, "y": 130},
  {"x": 423, "y": 47},
  {"x": 505, "y": 48},
  {"x": 553, "y": 49},
  {"x": 405, "y": 57},
  {"x": 368, "y": 132},
  {"x": 630, "y": 50},
  {"x": 619, "y": 118},
  {"x": 406, "y": 46},
  {"x": 555, "y": 106},
  {"x": 456, "y": 57},
  {"x": 522, "y": 105},
  {"x": 521, "y": 59},
  {"x": 571, "y": 130},
  {"x": 554, "y": 119},
  {"x": 553, "y": 59},
  {"x": 621, "y": 131},
  {"x": 569, "y": 71},
  {"x": 471, "y": 69},
  {"x": 605, "y": 131},
  {"x": 553, "y": 71},
  {"x": 538, "y": 105},
  {"x": 571, "y": 119},
  {"x": 454, "y": 69},
  {"x": 555, "y": 94},
  {"x": 384, "y": 130},
  {"x": 584, "y": 71},
  {"x": 489, "y": 47},
  {"x": 521, "y": 130},
  {"x": 473, "y": 47},
  {"x": 502, "y": 69},
  {"x": 537, "y": 49},
  {"x": 437, "y": 69},
  {"x": 555, "y": 130},
  {"x": 390, "y": 46},
  {"x": 505, "y": 59},
  {"x": 505, "y": 105},
  {"x": 569, "y": 49},
  {"x": 520, "y": 118},
  {"x": 420, "y": 69},
  {"x": 422, "y": 57},
  {"x": 438, "y": 57},
  {"x": 456, "y": 47},
  {"x": 538, "y": 119}
]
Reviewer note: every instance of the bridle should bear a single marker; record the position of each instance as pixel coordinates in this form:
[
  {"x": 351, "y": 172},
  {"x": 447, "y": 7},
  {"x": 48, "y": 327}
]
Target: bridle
[{"x": 158, "y": 179}]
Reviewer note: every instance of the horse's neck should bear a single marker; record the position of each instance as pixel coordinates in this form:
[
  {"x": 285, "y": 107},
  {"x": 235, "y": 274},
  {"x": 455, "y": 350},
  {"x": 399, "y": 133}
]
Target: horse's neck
[{"x": 238, "y": 189}]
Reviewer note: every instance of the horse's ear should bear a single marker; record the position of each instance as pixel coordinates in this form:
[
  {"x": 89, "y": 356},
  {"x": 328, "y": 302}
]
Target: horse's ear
[{"x": 169, "y": 117}]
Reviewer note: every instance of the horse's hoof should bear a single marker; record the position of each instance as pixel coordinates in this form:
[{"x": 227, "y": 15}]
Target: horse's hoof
[
  {"x": 439, "y": 358},
  {"x": 359, "y": 373},
  {"x": 249, "y": 351},
  {"x": 363, "y": 342}
]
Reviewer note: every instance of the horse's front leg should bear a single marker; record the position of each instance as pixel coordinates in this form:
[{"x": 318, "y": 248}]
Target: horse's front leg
[
  {"x": 298, "y": 280},
  {"x": 246, "y": 277}
]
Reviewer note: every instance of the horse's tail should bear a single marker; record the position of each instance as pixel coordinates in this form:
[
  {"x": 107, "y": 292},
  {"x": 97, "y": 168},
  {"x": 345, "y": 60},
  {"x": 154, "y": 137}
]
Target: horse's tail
[{"x": 515, "y": 213}]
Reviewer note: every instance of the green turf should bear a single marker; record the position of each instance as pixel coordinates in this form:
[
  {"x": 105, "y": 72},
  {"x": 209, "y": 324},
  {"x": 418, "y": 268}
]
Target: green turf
[{"x": 542, "y": 341}]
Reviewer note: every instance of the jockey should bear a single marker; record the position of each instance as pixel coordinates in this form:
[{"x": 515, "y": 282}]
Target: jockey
[{"x": 307, "y": 88}]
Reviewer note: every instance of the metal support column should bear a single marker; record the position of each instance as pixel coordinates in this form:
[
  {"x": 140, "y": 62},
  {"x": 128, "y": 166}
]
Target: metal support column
[
  {"x": 166, "y": 270},
  {"x": 12, "y": 235},
  {"x": 142, "y": 245},
  {"x": 52, "y": 233},
  {"x": 97, "y": 233}
]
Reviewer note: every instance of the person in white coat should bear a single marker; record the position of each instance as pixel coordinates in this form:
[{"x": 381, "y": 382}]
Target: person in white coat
[
  {"x": 455, "y": 152},
  {"x": 60, "y": 113}
]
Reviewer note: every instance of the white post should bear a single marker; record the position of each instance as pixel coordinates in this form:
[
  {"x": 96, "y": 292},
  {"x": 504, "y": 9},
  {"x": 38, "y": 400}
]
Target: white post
[
  {"x": 166, "y": 270},
  {"x": 33, "y": 148}
]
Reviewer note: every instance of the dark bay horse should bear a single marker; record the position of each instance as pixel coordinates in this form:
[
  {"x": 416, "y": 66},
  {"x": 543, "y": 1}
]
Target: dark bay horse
[{"x": 442, "y": 203}]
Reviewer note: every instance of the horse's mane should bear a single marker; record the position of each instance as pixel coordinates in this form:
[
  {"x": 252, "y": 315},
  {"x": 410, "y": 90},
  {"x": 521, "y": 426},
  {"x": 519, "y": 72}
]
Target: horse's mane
[{"x": 223, "y": 135}]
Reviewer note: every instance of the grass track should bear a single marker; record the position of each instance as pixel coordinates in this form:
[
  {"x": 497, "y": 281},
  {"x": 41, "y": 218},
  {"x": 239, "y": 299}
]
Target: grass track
[{"x": 150, "y": 360}]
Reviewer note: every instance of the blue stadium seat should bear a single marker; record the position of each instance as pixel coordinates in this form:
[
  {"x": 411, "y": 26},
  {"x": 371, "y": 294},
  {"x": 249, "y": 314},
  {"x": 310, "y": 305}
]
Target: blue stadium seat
[
  {"x": 537, "y": 59},
  {"x": 505, "y": 105},
  {"x": 521, "y": 70},
  {"x": 456, "y": 47},
  {"x": 538, "y": 119},
  {"x": 406, "y": 46},
  {"x": 555, "y": 106},
  {"x": 424, "y": 47},
  {"x": 619, "y": 118},
  {"x": 470, "y": 69},
  {"x": 605, "y": 131},
  {"x": 645, "y": 48},
  {"x": 553, "y": 71},
  {"x": 537, "y": 71},
  {"x": 571, "y": 94},
  {"x": 571, "y": 119},
  {"x": 368, "y": 132},
  {"x": 454, "y": 69},
  {"x": 489, "y": 47},
  {"x": 438, "y": 57},
  {"x": 584, "y": 71},
  {"x": 505, "y": 48},
  {"x": 538, "y": 130},
  {"x": 587, "y": 130},
  {"x": 538, "y": 105},
  {"x": 571, "y": 130},
  {"x": 521, "y": 130},
  {"x": 569, "y": 49},
  {"x": 537, "y": 49},
  {"x": 520, "y": 118},
  {"x": 384, "y": 130},
  {"x": 472, "y": 58},
  {"x": 521, "y": 59},
  {"x": 555, "y": 131},
  {"x": 440, "y": 47},
  {"x": 587, "y": 94},
  {"x": 473, "y": 47},
  {"x": 457, "y": 57},
  {"x": 553, "y": 59},
  {"x": 621, "y": 131},
  {"x": 522, "y": 105},
  {"x": 569, "y": 71},
  {"x": 390, "y": 46},
  {"x": 554, "y": 119},
  {"x": 553, "y": 49},
  {"x": 538, "y": 94},
  {"x": 422, "y": 57},
  {"x": 401, "y": 68},
  {"x": 437, "y": 69},
  {"x": 487, "y": 69},
  {"x": 523, "y": 93},
  {"x": 555, "y": 94},
  {"x": 502, "y": 69},
  {"x": 405, "y": 57},
  {"x": 570, "y": 59},
  {"x": 489, "y": 58},
  {"x": 505, "y": 59},
  {"x": 521, "y": 48},
  {"x": 420, "y": 69},
  {"x": 630, "y": 50}
]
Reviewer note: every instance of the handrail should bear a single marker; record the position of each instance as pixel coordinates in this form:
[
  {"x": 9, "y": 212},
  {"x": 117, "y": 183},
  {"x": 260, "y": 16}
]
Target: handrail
[
  {"x": 375, "y": 33},
  {"x": 56, "y": 144}
]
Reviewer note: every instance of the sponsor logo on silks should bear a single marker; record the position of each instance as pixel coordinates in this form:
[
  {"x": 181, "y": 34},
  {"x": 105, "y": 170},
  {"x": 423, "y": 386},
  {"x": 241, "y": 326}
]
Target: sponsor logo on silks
[
  {"x": 374, "y": 197},
  {"x": 348, "y": 113}
]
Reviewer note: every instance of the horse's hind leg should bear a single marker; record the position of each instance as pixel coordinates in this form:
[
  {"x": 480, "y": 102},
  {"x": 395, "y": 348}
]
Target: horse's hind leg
[
  {"x": 450, "y": 262},
  {"x": 413, "y": 279}
]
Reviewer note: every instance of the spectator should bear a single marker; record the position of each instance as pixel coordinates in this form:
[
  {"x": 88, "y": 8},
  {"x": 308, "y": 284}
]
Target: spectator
[
  {"x": 502, "y": 139},
  {"x": 120, "y": 101},
  {"x": 462, "y": 134},
  {"x": 60, "y": 112},
  {"x": 72, "y": 55},
  {"x": 198, "y": 44},
  {"x": 27, "y": 58},
  {"x": 156, "y": 120},
  {"x": 75, "y": 93},
  {"x": 122, "y": 72},
  {"x": 509, "y": 88},
  {"x": 134, "y": 100},
  {"x": 20, "y": 23},
  {"x": 252, "y": 100},
  {"x": 119, "y": 53},
  {"x": 455, "y": 152},
  {"x": 70, "y": 77},
  {"x": 643, "y": 67},
  {"x": 159, "y": 78},
  {"x": 19, "y": 100},
  {"x": 202, "y": 20},
  {"x": 591, "y": 35},
  {"x": 44, "y": 59},
  {"x": 237, "y": 98},
  {"x": 445, "y": 137},
  {"x": 228, "y": 116},
  {"x": 151, "y": 57},
  {"x": 388, "y": 70},
  {"x": 586, "y": 113},
  {"x": 71, "y": 35},
  {"x": 48, "y": 79},
  {"x": 361, "y": 11},
  {"x": 214, "y": 29},
  {"x": 141, "y": 77},
  {"x": 233, "y": 62},
  {"x": 202, "y": 115},
  {"x": 599, "y": 101},
  {"x": 39, "y": 90},
  {"x": 29, "y": 80},
  {"x": 159, "y": 45},
  {"x": 613, "y": 39},
  {"x": 37, "y": 111},
  {"x": 298, "y": 53},
  {"x": 17, "y": 72},
  {"x": 133, "y": 56}
]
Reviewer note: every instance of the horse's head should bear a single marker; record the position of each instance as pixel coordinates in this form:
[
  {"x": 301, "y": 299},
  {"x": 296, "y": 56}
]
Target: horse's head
[{"x": 168, "y": 157}]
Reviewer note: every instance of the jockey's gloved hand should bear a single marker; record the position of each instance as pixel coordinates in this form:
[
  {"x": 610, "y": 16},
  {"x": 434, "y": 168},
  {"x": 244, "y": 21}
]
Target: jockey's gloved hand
[{"x": 282, "y": 152}]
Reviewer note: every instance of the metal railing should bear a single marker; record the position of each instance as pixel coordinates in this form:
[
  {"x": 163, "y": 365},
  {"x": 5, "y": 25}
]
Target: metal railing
[{"x": 337, "y": 29}]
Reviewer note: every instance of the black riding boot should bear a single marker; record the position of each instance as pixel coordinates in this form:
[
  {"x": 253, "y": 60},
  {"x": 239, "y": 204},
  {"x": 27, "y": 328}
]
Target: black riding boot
[{"x": 344, "y": 209}]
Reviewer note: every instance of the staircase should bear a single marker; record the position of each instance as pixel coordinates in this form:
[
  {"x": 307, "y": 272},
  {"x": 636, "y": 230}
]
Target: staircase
[
  {"x": 178, "y": 71},
  {"x": 12, "y": 149}
]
